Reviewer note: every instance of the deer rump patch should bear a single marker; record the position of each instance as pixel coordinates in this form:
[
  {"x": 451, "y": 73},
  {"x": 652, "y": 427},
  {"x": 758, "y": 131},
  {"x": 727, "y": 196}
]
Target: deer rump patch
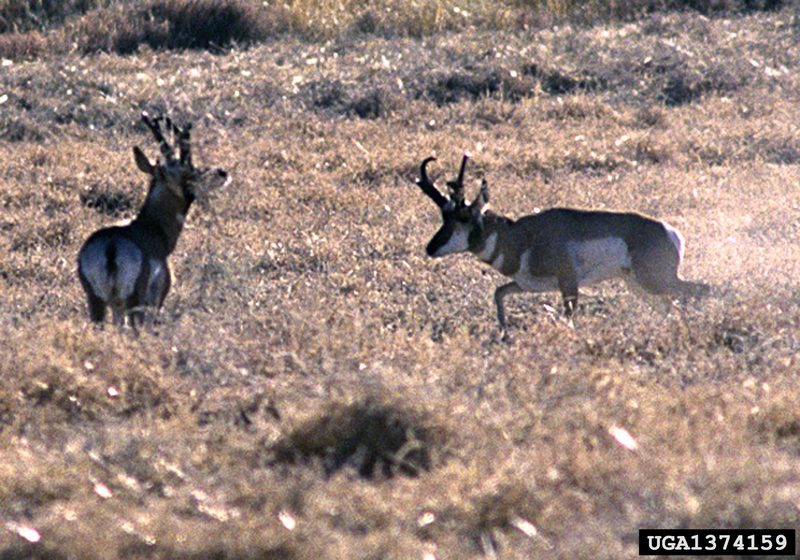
[
  {"x": 111, "y": 267},
  {"x": 595, "y": 260}
]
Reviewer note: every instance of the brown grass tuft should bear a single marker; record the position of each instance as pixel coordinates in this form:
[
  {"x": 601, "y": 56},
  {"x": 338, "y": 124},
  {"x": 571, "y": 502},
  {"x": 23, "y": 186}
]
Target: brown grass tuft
[
  {"x": 123, "y": 26},
  {"x": 22, "y": 46},
  {"x": 18, "y": 16},
  {"x": 169, "y": 24},
  {"x": 372, "y": 438}
]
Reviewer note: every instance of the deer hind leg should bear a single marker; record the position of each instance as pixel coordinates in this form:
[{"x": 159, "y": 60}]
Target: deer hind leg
[
  {"x": 137, "y": 315},
  {"x": 92, "y": 272},
  {"x": 97, "y": 306},
  {"x": 118, "y": 316},
  {"x": 143, "y": 316}
]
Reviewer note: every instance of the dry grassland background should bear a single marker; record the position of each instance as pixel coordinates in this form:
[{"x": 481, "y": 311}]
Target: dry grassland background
[{"x": 316, "y": 387}]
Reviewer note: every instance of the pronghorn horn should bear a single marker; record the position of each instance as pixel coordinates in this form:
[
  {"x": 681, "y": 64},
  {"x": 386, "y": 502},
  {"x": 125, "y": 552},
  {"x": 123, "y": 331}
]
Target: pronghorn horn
[
  {"x": 427, "y": 185},
  {"x": 457, "y": 186},
  {"x": 483, "y": 196},
  {"x": 155, "y": 128}
]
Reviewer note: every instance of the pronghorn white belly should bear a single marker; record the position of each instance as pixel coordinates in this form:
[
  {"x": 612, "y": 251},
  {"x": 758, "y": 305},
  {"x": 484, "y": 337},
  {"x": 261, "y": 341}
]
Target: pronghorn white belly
[
  {"x": 599, "y": 259},
  {"x": 530, "y": 283},
  {"x": 111, "y": 281}
]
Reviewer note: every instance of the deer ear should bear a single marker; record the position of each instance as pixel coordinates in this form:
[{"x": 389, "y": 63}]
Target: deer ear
[
  {"x": 482, "y": 200},
  {"x": 142, "y": 162}
]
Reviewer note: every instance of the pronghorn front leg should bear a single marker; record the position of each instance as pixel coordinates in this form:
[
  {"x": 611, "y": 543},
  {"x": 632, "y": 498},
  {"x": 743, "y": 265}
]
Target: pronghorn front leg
[
  {"x": 568, "y": 286},
  {"x": 499, "y": 294}
]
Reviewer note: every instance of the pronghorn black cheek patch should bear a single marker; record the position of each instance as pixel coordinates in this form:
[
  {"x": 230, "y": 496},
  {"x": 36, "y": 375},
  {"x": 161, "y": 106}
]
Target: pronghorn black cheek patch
[
  {"x": 376, "y": 440},
  {"x": 439, "y": 240}
]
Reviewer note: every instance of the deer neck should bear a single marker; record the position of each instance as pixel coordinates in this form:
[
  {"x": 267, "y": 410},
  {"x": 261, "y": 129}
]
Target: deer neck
[{"x": 163, "y": 213}]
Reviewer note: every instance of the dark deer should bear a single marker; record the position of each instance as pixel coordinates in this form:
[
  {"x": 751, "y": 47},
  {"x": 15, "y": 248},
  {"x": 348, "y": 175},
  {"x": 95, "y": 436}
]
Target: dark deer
[
  {"x": 558, "y": 249},
  {"x": 125, "y": 267}
]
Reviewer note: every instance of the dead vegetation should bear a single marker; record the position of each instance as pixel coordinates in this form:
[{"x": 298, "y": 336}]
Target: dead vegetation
[
  {"x": 33, "y": 28},
  {"x": 317, "y": 387},
  {"x": 372, "y": 438}
]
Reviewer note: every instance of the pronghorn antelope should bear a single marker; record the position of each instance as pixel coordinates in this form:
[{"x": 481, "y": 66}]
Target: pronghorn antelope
[
  {"x": 559, "y": 248},
  {"x": 125, "y": 267}
]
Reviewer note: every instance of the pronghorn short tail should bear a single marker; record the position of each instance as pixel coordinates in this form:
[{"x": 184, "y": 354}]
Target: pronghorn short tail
[{"x": 677, "y": 239}]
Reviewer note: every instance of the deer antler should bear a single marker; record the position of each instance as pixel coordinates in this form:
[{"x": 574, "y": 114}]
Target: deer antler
[
  {"x": 155, "y": 128},
  {"x": 427, "y": 185},
  {"x": 185, "y": 145},
  {"x": 182, "y": 136},
  {"x": 457, "y": 186}
]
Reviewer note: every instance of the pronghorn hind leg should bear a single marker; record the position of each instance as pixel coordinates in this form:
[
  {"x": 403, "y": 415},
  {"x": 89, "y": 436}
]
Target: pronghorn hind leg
[
  {"x": 682, "y": 292},
  {"x": 695, "y": 290},
  {"x": 667, "y": 303},
  {"x": 499, "y": 295},
  {"x": 664, "y": 303},
  {"x": 659, "y": 296}
]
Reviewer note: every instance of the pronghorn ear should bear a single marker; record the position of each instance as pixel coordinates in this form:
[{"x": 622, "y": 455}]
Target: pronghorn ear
[
  {"x": 482, "y": 200},
  {"x": 142, "y": 162}
]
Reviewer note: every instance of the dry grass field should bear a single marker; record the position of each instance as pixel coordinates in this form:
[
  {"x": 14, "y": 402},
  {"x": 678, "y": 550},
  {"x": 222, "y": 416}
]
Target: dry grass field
[{"x": 316, "y": 387}]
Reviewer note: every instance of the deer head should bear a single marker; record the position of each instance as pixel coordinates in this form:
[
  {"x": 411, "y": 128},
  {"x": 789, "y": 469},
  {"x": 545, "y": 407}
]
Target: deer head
[{"x": 176, "y": 176}]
